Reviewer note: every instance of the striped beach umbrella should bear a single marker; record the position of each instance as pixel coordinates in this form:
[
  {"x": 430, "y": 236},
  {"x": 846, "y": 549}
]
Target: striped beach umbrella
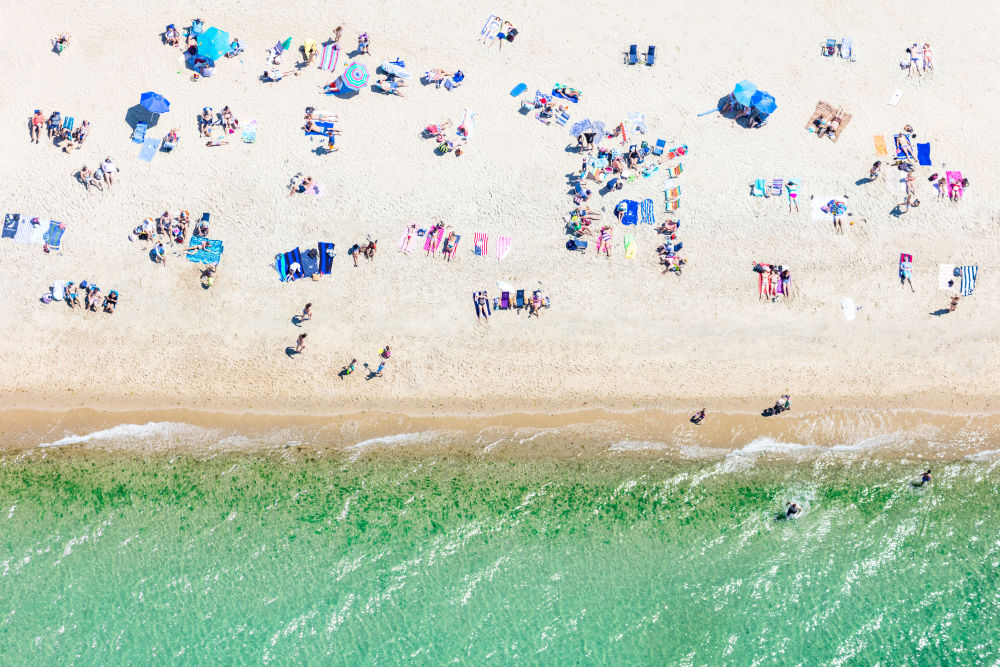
[{"x": 355, "y": 76}]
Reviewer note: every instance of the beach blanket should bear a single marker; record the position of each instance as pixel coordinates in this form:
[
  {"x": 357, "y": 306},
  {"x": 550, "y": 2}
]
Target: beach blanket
[
  {"x": 850, "y": 310},
  {"x": 406, "y": 241},
  {"x": 149, "y": 147},
  {"x": 637, "y": 122},
  {"x": 880, "y": 149},
  {"x": 629, "y": 246},
  {"x": 328, "y": 59},
  {"x": 315, "y": 189},
  {"x": 896, "y": 96},
  {"x": 325, "y": 257},
  {"x": 211, "y": 255},
  {"x": 491, "y": 28},
  {"x": 904, "y": 147},
  {"x": 310, "y": 262},
  {"x": 924, "y": 154},
  {"x": 454, "y": 247},
  {"x": 436, "y": 241},
  {"x": 895, "y": 184},
  {"x": 428, "y": 240},
  {"x": 503, "y": 247},
  {"x": 631, "y": 216},
  {"x": 827, "y": 112},
  {"x": 561, "y": 118},
  {"x": 24, "y": 230},
  {"x": 817, "y": 204},
  {"x": 946, "y": 276},
  {"x": 38, "y": 231},
  {"x": 481, "y": 243},
  {"x": 908, "y": 258},
  {"x": 291, "y": 257},
  {"x": 53, "y": 236},
  {"x": 395, "y": 70},
  {"x": 954, "y": 180},
  {"x": 249, "y": 135},
  {"x": 10, "y": 223},
  {"x": 59, "y": 290},
  {"x": 648, "y": 217},
  {"x": 762, "y": 285},
  {"x": 969, "y": 274}
]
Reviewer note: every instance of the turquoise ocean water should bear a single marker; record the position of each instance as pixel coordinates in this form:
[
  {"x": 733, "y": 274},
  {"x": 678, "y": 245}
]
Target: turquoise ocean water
[{"x": 273, "y": 559}]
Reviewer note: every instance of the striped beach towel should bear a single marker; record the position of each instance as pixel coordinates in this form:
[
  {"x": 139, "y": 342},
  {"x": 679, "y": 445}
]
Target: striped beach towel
[
  {"x": 454, "y": 248},
  {"x": 969, "y": 274},
  {"x": 24, "y": 231},
  {"x": 328, "y": 59},
  {"x": 646, "y": 209},
  {"x": 562, "y": 117},
  {"x": 503, "y": 247},
  {"x": 482, "y": 244},
  {"x": 428, "y": 240},
  {"x": 437, "y": 239}
]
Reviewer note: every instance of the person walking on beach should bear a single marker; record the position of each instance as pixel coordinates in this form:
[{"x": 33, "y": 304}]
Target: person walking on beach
[
  {"x": 300, "y": 344},
  {"x": 954, "y": 303},
  {"x": 698, "y": 417},
  {"x": 876, "y": 168},
  {"x": 306, "y": 313}
]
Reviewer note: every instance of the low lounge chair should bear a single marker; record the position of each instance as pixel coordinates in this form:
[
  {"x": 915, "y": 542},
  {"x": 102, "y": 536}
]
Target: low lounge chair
[
  {"x": 139, "y": 133},
  {"x": 632, "y": 56},
  {"x": 576, "y": 244},
  {"x": 651, "y": 55},
  {"x": 830, "y": 48},
  {"x": 673, "y": 205},
  {"x": 519, "y": 299},
  {"x": 676, "y": 170},
  {"x": 658, "y": 148},
  {"x": 777, "y": 187},
  {"x": 672, "y": 193},
  {"x": 504, "y": 301}
]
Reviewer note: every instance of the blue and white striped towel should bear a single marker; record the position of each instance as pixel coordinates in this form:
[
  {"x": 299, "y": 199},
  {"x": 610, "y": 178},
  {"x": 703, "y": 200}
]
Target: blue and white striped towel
[
  {"x": 969, "y": 274},
  {"x": 646, "y": 211}
]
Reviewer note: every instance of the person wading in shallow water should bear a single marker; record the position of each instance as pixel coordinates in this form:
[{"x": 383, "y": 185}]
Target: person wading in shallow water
[
  {"x": 792, "y": 510},
  {"x": 698, "y": 417}
]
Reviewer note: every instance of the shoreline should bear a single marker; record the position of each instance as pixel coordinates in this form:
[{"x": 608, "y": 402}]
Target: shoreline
[{"x": 658, "y": 434}]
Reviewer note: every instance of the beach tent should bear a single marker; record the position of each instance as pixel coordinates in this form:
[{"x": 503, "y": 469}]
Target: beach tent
[{"x": 213, "y": 43}]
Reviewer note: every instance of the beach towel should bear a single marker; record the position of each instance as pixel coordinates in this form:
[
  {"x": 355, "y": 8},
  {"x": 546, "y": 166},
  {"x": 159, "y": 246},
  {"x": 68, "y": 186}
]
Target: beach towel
[
  {"x": 880, "y": 149},
  {"x": 817, "y": 204},
  {"x": 210, "y": 255},
  {"x": 946, "y": 276},
  {"x": 395, "y": 70},
  {"x": 629, "y": 246},
  {"x": 10, "y": 223},
  {"x": 904, "y": 147},
  {"x": 454, "y": 247},
  {"x": 292, "y": 257},
  {"x": 328, "y": 58},
  {"x": 281, "y": 265},
  {"x": 907, "y": 259},
  {"x": 557, "y": 93},
  {"x": 503, "y": 247},
  {"x": 325, "y": 257},
  {"x": 895, "y": 184},
  {"x": 847, "y": 48},
  {"x": 969, "y": 274},
  {"x": 149, "y": 148},
  {"x": 406, "y": 241},
  {"x": 762, "y": 285},
  {"x": 646, "y": 212},
  {"x": 896, "y": 96},
  {"x": 954, "y": 180},
  {"x": 518, "y": 89},
  {"x": 436, "y": 241},
  {"x": 53, "y": 236},
  {"x": 58, "y": 290},
  {"x": 24, "y": 230},
  {"x": 315, "y": 189},
  {"x": 482, "y": 244},
  {"x": 561, "y": 118},
  {"x": 310, "y": 263},
  {"x": 924, "y": 154},
  {"x": 38, "y": 231},
  {"x": 249, "y": 135},
  {"x": 636, "y": 122},
  {"x": 428, "y": 240},
  {"x": 850, "y": 310},
  {"x": 491, "y": 28},
  {"x": 631, "y": 216}
]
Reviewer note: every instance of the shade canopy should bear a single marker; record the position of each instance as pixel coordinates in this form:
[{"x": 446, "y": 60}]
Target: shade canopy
[
  {"x": 154, "y": 102},
  {"x": 213, "y": 43},
  {"x": 743, "y": 92}
]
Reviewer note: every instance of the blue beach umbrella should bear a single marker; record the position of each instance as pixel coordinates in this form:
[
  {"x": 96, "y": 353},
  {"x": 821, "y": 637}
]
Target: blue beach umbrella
[
  {"x": 154, "y": 102},
  {"x": 213, "y": 43},
  {"x": 743, "y": 92},
  {"x": 763, "y": 102}
]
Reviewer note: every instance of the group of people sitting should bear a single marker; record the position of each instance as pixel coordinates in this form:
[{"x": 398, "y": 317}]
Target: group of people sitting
[
  {"x": 439, "y": 132},
  {"x": 208, "y": 119},
  {"x": 92, "y": 297},
  {"x": 774, "y": 280},
  {"x": 172, "y": 227},
  {"x": 827, "y": 127},
  {"x": 363, "y": 249},
  {"x": 104, "y": 175},
  {"x": 669, "y": 259},
  {"x": 58, "y": 130}
]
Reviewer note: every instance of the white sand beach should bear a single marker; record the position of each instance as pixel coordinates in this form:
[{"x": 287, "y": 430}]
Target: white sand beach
[{"x": 619, "y": 334}]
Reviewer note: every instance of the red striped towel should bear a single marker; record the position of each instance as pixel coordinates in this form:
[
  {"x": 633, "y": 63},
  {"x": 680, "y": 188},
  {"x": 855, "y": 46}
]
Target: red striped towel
[
  {"x": 482, "y": 242},
  {"x": 328, "y": 61},
  {"x": 503, "y": 247}
]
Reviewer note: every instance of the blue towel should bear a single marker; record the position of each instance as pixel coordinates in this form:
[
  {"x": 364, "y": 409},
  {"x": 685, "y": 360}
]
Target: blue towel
[
  {"x": 54, "y": 235},
  {"x": 325, "y": 258},
  {"x": 212, "y": 255},
  {"x": 281, "y": 266},
  {"x": 10, "y": 223},
  {"x": 924, "y": 154},
  {"x": 149, "y": 148},
  {"x": 518, "y": 89},
  {"x": 556, "y": 93},
  {"x": 291, "y": 257},
  {"x": 631, "y": 211},
  {"x": 969, "y": 274},
  {"x": 648, "y": 217},
  {"x": 310, "y": 265}
]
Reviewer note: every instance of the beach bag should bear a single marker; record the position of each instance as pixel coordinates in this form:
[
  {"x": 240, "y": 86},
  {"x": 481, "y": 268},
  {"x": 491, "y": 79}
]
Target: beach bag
[{"x": 511, "y": 34}]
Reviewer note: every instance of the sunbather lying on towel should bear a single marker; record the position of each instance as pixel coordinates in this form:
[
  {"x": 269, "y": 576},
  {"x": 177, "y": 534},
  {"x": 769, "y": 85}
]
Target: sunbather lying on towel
[
  {"x": 436, "y": 75},
  {"x": 668, "y": 227},
  {"x": 390, "y": 87},
  {"x": 569, "y": 93}
]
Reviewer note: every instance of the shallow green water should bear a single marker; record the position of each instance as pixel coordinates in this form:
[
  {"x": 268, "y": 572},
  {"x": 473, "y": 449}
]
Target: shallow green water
[{"x": 259, "y": 560}]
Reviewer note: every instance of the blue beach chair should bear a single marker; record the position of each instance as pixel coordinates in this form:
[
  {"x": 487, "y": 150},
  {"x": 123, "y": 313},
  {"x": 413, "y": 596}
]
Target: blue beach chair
[
  {"x": 139, "y": 133},
  {"x": 632, "y": 57},
  {"x": 658, "y": 148},
  {"x": 651, "y": 55}
]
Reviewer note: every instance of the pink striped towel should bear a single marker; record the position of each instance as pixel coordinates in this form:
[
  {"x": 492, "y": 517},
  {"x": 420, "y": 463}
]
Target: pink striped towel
[
  {"x": 406, "y": 241},
  {"x": 437, "y": 241},
  {"x": 328, "y": 60},
  {"x": 482, "y": 243},
  {"x": 503, "y": 247}
]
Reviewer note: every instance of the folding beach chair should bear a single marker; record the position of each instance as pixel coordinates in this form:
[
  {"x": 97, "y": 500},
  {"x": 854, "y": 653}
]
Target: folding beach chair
[
  {"x": 651, "y": 55},
  {"x": 777, "y": 187},
  {"x": 658, "y": 148},
  {"x": 673, "y": 205},
  {"x": 672, "y": 193},
  {"x": 139, "y": 133},
  {"x": 504, "y": 301},
  {"x": 676, "y": 170},
  {"x": 519, "y": 299},
  {"x": 830, "y": 48},
  {"x": 68, "y": 123},
  {"x": 576, "y": 244},
  {"x": 632, "y": 56}
]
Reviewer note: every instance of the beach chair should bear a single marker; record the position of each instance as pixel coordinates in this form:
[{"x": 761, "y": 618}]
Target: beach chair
[
  {"x": 68, "y": 123},
  {"x": 672, "y": 193},
  {"x": 139, "y": 133},
  {"x": 673, "y": 205},
  {"x": 504, "y": 301},
  {"x": 651, "y": 55},
  {"x": 561, "y": 118},
  {"x": 576, "y": 244},
  {"x": 519, "y": 299},
  {"x": 658, "y": 148},
  {"x": 676, "y": 170},
  {"x": 830, "y": 48},
  {"x": 777, "y": 187},
  {"x": 632, "y": 55}
]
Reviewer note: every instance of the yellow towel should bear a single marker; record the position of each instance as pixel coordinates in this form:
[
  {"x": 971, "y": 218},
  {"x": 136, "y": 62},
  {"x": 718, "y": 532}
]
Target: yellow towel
[
  {"x": 309, "y": 47},
  {"x": 880, "y": 148},
  {"x": 629, "y": 247}
]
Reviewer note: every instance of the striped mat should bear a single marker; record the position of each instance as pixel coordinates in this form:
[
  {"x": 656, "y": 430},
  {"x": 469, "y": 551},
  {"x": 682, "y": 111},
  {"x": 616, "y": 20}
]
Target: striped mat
[
  {"x": 482, "y": 244},
  {"x": 24, "y": 231},
  {"x": 503, "y": 247},
  {"x": 646, "y": 212},
  {"x": 969, "y": 274}
]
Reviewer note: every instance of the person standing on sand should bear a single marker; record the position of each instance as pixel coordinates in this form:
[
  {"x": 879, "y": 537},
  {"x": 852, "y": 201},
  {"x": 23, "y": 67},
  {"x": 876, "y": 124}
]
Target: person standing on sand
[
  {"x": 876, "y": 168},
  {"x": 300, "y": 344},
  {"x": 954, "y": 303},
  {"x": 306, "y": 313}
]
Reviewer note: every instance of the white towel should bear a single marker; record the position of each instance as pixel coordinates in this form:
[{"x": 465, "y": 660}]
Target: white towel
[
  {"x": 895, "y": 184},
  {"x": 946, "y": 272},
  {"x": 818, "y": 202},
  {"x": 850, "y": 310},
  {"x": 59, "y": 290}
]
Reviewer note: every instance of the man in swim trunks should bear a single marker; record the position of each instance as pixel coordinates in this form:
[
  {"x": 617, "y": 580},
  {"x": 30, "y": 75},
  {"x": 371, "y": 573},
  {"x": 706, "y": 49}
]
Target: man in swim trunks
[
  {"x": 926, "y": 477},
  {"x": 792, "y": 510}
]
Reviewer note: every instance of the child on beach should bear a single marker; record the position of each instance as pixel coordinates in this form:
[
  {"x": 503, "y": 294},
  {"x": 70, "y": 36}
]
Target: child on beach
[
  {"x": 348, "y": 369},
  {"x": 874, "y": 172}
]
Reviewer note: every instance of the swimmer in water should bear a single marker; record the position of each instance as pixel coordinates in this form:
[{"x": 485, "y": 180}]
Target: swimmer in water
[
  {"x": 926, "y": 477},
  {"x": 792, "y": 510},
  {"x": 698, "y": 418}
]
